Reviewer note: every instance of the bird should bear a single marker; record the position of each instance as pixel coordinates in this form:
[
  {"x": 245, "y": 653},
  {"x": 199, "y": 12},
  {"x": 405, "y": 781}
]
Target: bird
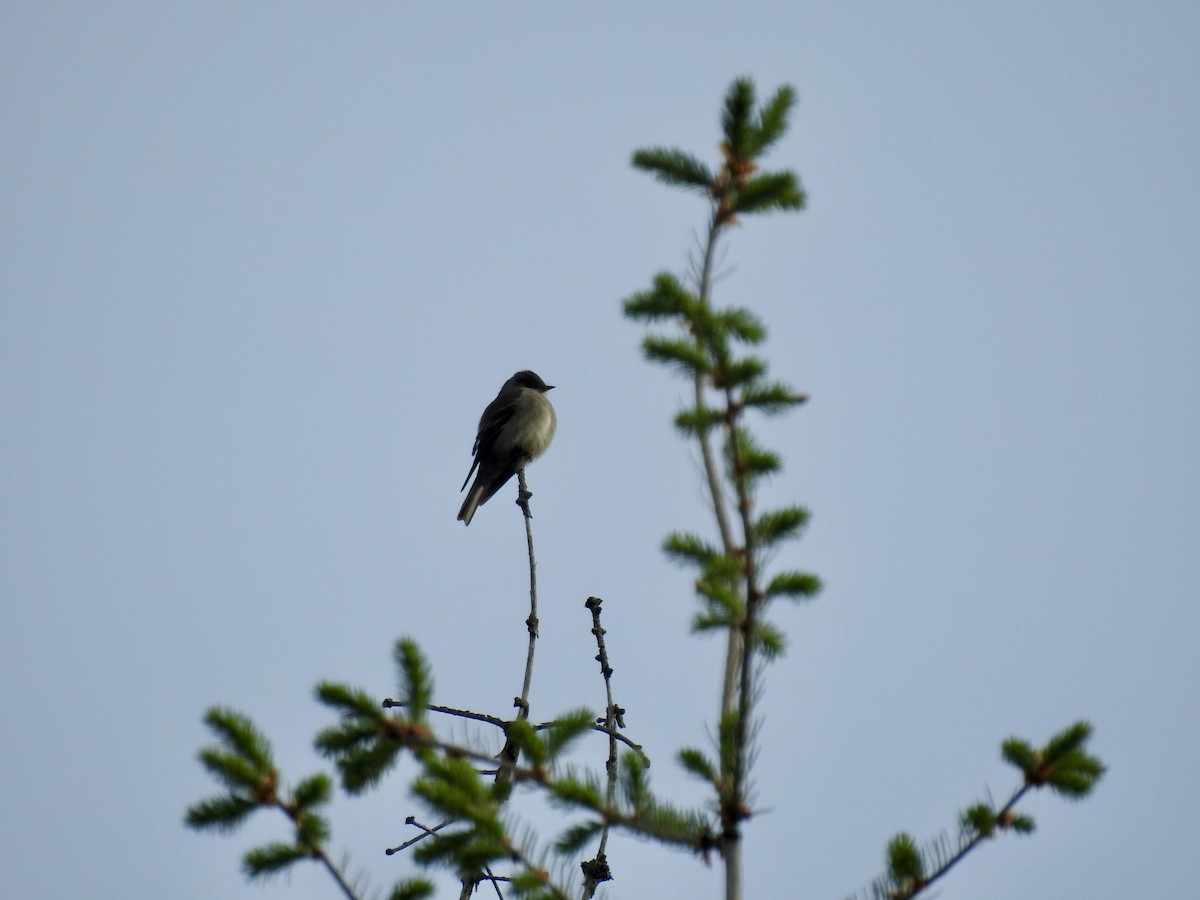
[{"x": 516, "y": 428}]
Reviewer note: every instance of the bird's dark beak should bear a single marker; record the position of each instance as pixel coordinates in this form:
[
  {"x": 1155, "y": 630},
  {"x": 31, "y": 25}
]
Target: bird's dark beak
[{"x": 549, "y": 387}]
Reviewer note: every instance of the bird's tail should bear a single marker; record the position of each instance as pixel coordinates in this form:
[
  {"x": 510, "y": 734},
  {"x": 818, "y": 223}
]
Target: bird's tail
[{"x": 474, "y": 497}]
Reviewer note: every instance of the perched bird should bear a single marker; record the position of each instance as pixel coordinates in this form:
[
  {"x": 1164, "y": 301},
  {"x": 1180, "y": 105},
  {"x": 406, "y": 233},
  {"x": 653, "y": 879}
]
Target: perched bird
[{"x": 515, "y": 428}]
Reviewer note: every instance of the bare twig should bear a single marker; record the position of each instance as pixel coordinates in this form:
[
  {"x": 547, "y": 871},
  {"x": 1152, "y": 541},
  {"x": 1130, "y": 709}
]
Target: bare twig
[
  {"x": 509, "y": 752},
  {"x": 389, "y": 703},
  {"x": 425, "y": 832},
  {"x": 596, "y": 870}
]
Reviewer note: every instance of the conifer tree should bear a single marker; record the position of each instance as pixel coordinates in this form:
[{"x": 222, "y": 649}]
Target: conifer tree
[{"x": 470, "y": 790}]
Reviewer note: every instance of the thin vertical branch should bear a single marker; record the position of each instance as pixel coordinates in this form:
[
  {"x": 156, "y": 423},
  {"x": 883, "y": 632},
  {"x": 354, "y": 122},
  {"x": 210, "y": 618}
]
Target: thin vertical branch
[
  {"x": 734, "y": 684},
  {"x": 509, "y": 752},
  {"x": 596, "y": 870},
  {"x": 711, "y": 469},
  {"x": 738, "y": 804},
  {"x": 532, "y": 622},
  {"x": 733, "y": 650}
]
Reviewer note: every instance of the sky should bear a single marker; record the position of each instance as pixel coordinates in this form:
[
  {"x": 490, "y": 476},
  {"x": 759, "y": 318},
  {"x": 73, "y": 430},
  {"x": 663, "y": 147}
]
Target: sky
[{"x": 263, "y": 265}]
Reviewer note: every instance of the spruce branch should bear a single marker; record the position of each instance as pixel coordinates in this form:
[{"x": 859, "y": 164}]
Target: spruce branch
[
  {"x": 1063, "y": 765},
  {"x": 242, "y": 762},
  {"x": 675, "y": 167},
  {"x": 730, "y": 583}
]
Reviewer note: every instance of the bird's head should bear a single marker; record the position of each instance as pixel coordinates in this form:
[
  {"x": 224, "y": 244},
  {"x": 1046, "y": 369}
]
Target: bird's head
[{"x": 528, "y": 379}]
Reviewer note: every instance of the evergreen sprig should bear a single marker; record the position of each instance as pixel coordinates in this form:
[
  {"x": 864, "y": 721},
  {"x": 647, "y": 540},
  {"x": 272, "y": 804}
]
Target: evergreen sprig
[
  {"x": 675, "y": 167},
  {"x": 682, "y": 353},
  {"x": 223, "y": 813},
  {"x": 1062, "y": 764},
  {"x": 416, "y": 680},
  {"x": 770, "y": 192},
  {"x": 578, "y": 836},
  {"x": 741, "y": 324},
  {"x": 769, "y": 640},
  {"x": 780, "y": 525},
  {"x": 699, "y": 421},
  {"x": 690, "y": 549},
  {"x": 770, "y": 398},
  {"x": 243, "y": 763},
  {"x": 695, "y": 762},
  {"x": 666, "y": 299},
  {"x": 366, "y": 742},
  {"x": 646, "y": 814},
  {"x": 794, "y": 585},
  {"x": 412, "y": 889},
  {"x": 271, "y": 858},
  {"x": 577, "y": 791}
]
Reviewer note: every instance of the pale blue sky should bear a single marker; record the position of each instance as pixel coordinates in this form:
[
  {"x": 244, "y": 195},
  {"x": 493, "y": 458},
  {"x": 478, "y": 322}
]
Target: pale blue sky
[{"x": 263, "y": 265}]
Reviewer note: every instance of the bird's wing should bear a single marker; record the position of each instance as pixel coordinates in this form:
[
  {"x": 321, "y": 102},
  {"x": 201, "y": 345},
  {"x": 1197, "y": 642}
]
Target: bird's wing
[{"x": 491, "y": 423}]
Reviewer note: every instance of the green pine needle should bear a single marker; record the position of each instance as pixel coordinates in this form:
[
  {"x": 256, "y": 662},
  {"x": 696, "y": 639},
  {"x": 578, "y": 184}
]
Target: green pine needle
[
  {"x": 771, "y": 642},
  {"x": 668, "y": 299},
  {"x": 741, "y": 372},
  {"x": 780, "y": 524},
  {"x": 735, "y": 119},
  {"x": 412, "y": 889},
  {"x": 727, "y": 739},
  {"x": 238, "y": 733},
  {"x": 349, "y": 737},
  {"x": 232, "y": 770},
  {"x": 526, "y": 739},
  {"x": 1021, "y": 824},
  {"x": 1075, "y": 780},
  {"x": 675, "y": 167},
  {"x": 449, "y": 847},
  {"x": 794, "y": 585},
  {"x": 698, "y": 422},
  {"x": 565, "y": 730},
  {"x": 270, "y": 859},
  {"x": 452, "y": 785},
  {"x": 904, "y": 863},
  {"x": 756, "y": 461},
  {"x": 1018, "y": 753},
  {"x": 771, "y": 399},
  {"x": 742, "y": 324},
  {"x": 711, "y": 620},
  {"x": 364, "y": 768},
  {"x": 690, "y": 549},
  {"x": 222, "y": 813},
  {"x": 719, "y": 597},
  {"x": 531, "y": 884},
  {"x": 575, "y": 838},
  {"x": 416, "y": 680},
  {"x": 1071, "y": 738},
  {"x": 695, "y": 762},
  {"x": 978, "y": 819},
  {"x": 352, "y": 703},
  {"x": 770, "y": 192},
  {"x": 316, "y": 790},
  {"x": 311, "y": 831},
  {"x": 761, "y": 462},
  {"x": 773, "y": 118},
  {"x": 577, "y": 792},
  {"x": 681, "y": 353},
  {"x": 633, "y": 780},
  {"x": 686, "y": 828}
]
